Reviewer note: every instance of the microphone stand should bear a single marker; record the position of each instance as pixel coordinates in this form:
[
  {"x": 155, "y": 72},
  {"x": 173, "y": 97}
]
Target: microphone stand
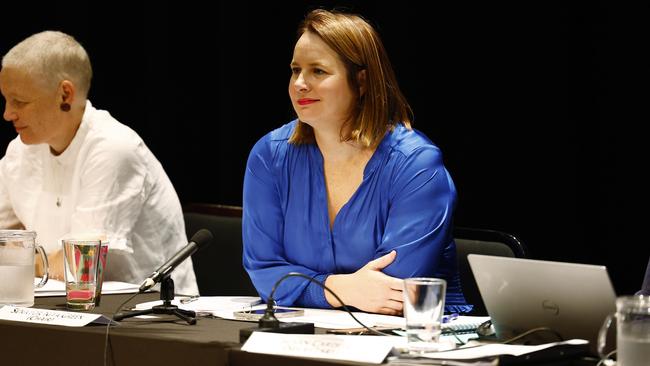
[{"x": 166, "y": 295}]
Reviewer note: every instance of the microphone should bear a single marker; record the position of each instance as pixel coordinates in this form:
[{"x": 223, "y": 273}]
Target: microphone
[
  {"x": 269, "y": 323},
  {"x": 202, "y": 238}
]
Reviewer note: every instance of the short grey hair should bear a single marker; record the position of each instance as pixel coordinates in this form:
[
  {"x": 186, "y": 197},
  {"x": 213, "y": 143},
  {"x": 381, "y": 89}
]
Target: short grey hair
[{"x": 52, "y": 57}]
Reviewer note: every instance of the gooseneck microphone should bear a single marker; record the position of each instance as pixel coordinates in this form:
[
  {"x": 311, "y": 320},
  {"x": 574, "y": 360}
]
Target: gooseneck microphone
[
  {"x": 269, "y": 323},
  {"x": 202, "y": 238}
]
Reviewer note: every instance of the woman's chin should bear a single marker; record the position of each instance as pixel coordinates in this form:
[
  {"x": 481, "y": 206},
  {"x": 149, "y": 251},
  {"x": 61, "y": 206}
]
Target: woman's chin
[
  {"x": 28, "y": 140},
  {"x": 305, "y": 120}
]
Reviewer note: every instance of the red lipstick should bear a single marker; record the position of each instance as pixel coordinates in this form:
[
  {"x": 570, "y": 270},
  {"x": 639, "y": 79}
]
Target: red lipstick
[{"x": 306, "y": 101}]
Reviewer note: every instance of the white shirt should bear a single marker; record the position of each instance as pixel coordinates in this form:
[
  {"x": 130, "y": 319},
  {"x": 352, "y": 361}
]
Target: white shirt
[{"x": 106, "y": 179}]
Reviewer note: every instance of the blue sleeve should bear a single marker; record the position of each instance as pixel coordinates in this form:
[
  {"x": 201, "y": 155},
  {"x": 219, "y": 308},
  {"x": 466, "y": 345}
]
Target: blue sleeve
[
  {"x": 263, "y": 225},
  {"x": 419, "y": 224}
]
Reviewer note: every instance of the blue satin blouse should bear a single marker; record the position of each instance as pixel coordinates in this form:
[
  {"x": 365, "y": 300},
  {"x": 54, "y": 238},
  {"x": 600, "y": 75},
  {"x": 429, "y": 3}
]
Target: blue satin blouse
[{"x": 404, "y": 203}]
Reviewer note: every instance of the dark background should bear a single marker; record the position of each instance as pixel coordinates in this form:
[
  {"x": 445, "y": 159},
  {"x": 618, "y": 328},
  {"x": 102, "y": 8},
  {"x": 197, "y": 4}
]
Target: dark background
[{"x": 537, "y": 106}]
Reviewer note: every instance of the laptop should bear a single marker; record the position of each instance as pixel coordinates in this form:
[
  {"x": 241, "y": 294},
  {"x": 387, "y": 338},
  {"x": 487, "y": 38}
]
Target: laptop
[{"x": 522, "y": 294}]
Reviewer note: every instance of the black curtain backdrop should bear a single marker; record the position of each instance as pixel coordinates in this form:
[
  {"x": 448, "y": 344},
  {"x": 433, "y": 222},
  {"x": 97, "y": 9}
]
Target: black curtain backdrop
[{"x": 533, "y": 104}]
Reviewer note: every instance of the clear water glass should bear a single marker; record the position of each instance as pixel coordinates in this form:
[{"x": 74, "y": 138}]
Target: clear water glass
[{"x": 424, "y": 303}]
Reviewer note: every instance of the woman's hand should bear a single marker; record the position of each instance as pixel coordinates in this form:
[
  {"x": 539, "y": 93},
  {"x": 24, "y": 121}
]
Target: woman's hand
[
  {"x": 55, "y": 263},
  {"x": 368, "y": 289}
]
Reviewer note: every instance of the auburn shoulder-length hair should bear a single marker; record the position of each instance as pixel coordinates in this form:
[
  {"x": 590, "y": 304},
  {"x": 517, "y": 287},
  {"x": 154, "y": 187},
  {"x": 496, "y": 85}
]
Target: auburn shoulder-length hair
[{"x": 382, "y": 106}]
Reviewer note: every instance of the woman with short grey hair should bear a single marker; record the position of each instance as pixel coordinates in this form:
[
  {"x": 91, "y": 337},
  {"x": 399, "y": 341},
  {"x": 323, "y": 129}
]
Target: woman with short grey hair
[{"x": 74, "y": 168}]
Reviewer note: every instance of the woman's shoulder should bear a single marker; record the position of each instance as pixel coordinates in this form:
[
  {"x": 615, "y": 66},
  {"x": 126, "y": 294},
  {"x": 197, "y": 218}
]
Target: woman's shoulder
[
  {"x": 409, "y": 142},
  {"x": 275, "y": 140},
  {"x": 103, "y": 128},
  {"x": 106, "y": 137},
  {"x": 283, "y": 133}
]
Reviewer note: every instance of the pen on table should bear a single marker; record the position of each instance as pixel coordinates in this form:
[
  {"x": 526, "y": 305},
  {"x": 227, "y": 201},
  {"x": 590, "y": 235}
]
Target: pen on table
[
  {"x": 448, "y": 318},
  {"x": 186, "y": 300}
]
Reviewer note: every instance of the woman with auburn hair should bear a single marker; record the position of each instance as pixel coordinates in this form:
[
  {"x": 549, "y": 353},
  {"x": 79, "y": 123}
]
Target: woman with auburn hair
[{"x": 348, "y": 193}]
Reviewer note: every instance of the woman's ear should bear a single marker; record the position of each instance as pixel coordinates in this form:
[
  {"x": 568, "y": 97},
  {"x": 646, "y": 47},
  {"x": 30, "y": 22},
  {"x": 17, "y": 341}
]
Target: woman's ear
[
  {"x": 362, "y": 80},
  {"x": 67, "y": 92}
]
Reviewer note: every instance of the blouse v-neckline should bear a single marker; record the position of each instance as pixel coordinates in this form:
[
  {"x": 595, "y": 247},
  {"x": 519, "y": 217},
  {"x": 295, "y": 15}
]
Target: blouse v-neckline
[{"x": 370, "y": 167}]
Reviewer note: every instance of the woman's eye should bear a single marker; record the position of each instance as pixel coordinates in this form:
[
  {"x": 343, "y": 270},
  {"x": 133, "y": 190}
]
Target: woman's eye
[
  {"x": 18, "y": 103},
  {"x": 319, "y": 72},
  {"x": 295, "y": 70}
]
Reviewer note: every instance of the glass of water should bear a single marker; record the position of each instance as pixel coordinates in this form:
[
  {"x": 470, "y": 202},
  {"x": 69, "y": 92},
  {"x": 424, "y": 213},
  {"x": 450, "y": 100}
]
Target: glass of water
[
  {"x": 17, "y": 248},
  {"x": 80, "y": 263},
  {"x": 632, "y": 331},
  {"x": 424, "y": 303}
]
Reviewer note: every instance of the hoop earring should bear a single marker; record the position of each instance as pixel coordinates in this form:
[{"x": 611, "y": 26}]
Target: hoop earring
[{"x": 65, "y": 107}]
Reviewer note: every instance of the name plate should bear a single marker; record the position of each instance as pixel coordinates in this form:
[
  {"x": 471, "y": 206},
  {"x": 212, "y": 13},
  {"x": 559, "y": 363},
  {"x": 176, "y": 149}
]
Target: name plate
[
  {"x": 333, "y": 347},
  {"x": 51, "y": 317}
]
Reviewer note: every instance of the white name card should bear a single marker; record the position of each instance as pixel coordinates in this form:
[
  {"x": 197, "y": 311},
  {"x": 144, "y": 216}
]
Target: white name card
[
  {"x": 51, "y": 317},
  {"x": 368, "y": 349}
]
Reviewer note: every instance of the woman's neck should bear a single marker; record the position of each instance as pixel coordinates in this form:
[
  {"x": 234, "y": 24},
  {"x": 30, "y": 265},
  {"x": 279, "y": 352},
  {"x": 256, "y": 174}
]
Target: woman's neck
[
  {"x": 333, "y": 149},
  {"x": 71, "y": 124}
]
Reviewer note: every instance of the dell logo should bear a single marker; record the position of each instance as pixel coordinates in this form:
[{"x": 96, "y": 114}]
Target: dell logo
[{"x": 551, "y": 307}]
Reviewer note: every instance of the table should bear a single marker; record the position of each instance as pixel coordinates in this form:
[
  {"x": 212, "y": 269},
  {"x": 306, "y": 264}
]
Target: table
[
  {"x": 133, "y": 342},
  {"x": 139, "y": 342}
]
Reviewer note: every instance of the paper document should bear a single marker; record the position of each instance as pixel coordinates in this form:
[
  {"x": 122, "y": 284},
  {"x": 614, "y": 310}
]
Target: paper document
[
  {"x": 333, "y": 347},
  {"x": 51, "y": 317},
  {"x": 336, "y": 319},
  {"x": 225, "y": 306},
  {"x": 220, "y": 306},
  {"x": 457, "y": 339},
  {"x": 496, "y": 349},
  {"x": 339, "y": 319},
  {"x": 57, "y": 288}
]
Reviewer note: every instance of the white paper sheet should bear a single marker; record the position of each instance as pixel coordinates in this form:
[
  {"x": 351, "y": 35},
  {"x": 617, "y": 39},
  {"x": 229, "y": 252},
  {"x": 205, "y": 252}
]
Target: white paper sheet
[
  {"x": 225, "y": 306},
  {"x": 57, "y": 288},
  {"x": 495, "y": 349},
  {"x": 50, "y": 317},
  {"x": 333, "y": 347},
  {"x": 221, "y": 306},
  {"x": 339, "y": 319}
]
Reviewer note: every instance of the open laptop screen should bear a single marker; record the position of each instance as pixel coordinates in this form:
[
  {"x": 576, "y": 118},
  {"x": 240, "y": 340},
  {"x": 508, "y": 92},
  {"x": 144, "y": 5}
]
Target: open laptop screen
[{"x": 522, "y": 294}]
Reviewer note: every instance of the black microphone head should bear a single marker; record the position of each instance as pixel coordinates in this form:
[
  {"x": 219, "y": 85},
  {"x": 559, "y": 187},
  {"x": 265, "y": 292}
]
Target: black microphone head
[{"x": 202, "y": 237}]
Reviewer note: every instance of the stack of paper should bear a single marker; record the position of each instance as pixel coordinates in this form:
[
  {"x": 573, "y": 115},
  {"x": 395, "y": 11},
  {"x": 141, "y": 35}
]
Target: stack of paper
[
  {"x": 220, "y": 306},
  {"x": 57, "y": 288}
]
